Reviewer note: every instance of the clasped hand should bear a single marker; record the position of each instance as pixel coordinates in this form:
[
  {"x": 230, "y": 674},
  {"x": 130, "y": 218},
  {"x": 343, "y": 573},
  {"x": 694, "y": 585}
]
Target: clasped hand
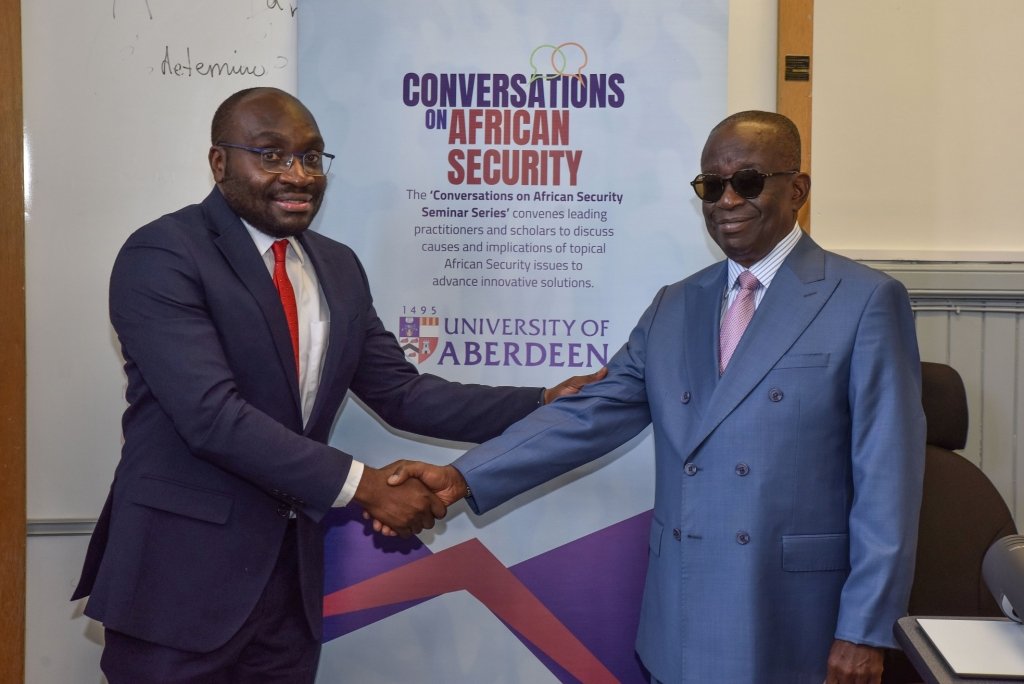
[
  {"x": 405, "y": 498},
  {"x": 444, "y": 483},
  {"x": 403, "y": 509}
]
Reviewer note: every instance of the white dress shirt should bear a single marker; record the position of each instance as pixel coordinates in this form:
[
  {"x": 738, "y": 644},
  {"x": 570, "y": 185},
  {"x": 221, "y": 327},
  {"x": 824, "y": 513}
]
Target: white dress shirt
[
  {"x": 314, "y": 332},
  {"x": 764, "y": 270}
]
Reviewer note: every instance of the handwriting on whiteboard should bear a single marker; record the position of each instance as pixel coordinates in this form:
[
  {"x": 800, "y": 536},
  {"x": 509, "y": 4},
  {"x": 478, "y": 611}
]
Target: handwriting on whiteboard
[
  {"x": 280, "y": 5},
  {"x": 174, "y": 66},
  {"x": 289, "y": 7}
]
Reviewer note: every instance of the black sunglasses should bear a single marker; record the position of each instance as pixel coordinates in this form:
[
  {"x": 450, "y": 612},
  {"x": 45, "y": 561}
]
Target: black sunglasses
[{"x": 747, "y": 183}]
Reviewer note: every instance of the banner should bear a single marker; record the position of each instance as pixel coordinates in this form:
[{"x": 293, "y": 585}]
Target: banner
[{"x": 514, "y": 177}]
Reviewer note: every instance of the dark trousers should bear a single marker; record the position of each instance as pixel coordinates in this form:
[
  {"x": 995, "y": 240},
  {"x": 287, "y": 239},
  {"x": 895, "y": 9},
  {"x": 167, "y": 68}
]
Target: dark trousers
[{"x": 273, "y": 646}]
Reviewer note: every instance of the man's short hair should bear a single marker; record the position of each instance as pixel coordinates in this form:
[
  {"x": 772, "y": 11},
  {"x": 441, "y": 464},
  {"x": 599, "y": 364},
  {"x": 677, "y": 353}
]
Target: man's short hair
[{"x": 223, "y": 114}]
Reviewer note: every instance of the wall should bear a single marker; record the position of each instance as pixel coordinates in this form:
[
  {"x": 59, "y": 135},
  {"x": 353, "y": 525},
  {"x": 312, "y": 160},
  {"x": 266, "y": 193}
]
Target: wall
[
  {"x": 916, "y": 118},
  {"x": 753, "y": 29}
]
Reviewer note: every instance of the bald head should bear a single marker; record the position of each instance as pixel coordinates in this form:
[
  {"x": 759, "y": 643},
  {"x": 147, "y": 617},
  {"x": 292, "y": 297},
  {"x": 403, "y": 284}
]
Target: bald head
[
  {"x": 777, "y": 132},
  {"x": 225, "y": 113}
]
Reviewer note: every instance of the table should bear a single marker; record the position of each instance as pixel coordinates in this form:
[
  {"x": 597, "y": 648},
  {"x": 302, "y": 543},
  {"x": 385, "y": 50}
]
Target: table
[{"x": 927, "y": 660}]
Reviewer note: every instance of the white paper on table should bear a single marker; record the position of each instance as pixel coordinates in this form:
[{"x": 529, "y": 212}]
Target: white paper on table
[{"x": 978, "y": 648}]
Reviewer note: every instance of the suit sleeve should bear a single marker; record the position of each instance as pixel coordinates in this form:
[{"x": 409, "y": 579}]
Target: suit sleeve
[
  {"x": 426, "y": 404},
  {"x": 174, "y": 357},
  {"x": 887, "y": 454},
  {"x": 568, "y": 432}
]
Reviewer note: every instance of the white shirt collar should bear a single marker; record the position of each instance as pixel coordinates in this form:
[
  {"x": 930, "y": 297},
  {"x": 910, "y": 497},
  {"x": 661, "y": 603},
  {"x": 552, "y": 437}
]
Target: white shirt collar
[
  {"x": 264, "y": 242},
  {"x": 765, "y": 269}
]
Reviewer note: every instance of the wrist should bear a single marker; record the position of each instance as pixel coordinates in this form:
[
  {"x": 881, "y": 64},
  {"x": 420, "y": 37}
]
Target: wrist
[
  {"x": 460, "y": 484},
  {"x": 369, "y": 481}
]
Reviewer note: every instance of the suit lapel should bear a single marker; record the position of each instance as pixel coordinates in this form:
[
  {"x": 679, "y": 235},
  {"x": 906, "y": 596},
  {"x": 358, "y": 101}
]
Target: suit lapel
[
  {"x": 703, "y": 301},
  {"x": 241, "y": 254},
  {"x": 797, "y": 293},
  {"x": 329, "y": 273}
]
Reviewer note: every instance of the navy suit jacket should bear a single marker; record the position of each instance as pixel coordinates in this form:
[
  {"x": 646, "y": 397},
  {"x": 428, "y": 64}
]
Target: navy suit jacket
[
  {"x": 787, "y": 490},
  {"x": 215, "y": 455}
]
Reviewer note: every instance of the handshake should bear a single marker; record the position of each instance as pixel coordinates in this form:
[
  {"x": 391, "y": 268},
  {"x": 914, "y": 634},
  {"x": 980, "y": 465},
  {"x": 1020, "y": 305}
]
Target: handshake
[{"x": 406, "y": 497}]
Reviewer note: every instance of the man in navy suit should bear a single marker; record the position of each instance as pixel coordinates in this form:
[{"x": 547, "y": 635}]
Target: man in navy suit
[
  {"x": 207, "y": 561},
  {"x": 788, "y": 468}
]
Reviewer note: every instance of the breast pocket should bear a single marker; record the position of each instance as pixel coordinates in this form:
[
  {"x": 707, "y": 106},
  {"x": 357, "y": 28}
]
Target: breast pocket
[{"x": 803, "y": 361}]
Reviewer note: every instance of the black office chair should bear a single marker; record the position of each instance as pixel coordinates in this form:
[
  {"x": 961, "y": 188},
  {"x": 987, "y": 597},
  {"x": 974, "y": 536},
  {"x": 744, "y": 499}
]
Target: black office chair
[{"x": 962, "y": 514}]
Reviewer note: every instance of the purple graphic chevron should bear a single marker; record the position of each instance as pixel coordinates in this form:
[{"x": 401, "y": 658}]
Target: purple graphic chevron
[{"x": 591, "y": 585}]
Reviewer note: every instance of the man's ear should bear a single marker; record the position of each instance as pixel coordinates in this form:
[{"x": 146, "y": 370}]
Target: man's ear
[
  {"x": 801, "y": 189},
  {"x": 218, "y": 163}
]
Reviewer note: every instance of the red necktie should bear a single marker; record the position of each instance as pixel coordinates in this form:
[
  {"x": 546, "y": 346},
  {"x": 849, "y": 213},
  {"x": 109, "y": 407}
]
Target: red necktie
[
  {"x": 287, "y": 294},
  {"x": 736, "y": 319}
]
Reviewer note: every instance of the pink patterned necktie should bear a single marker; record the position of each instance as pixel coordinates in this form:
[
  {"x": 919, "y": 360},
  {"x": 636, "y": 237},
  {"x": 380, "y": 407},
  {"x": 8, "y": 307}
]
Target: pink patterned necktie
[
  {"x": 736, "y": 319},
  {"x": 287, "y": 295}
]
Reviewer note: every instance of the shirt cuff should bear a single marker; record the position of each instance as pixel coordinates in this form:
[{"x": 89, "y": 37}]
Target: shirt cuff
[{"x": 348, "y": 490}]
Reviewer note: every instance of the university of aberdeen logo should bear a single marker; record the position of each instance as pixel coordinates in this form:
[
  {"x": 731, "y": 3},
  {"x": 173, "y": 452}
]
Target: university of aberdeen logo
[{"x": 418, "y": 336}]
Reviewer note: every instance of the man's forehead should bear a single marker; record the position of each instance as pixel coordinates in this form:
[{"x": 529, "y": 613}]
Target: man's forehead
[
  {"x": 273, "y": 117},
  {"x": 270, "y": 107},
  {"x": 752, "y": 134},
  {"x": 742, "y": 141}
]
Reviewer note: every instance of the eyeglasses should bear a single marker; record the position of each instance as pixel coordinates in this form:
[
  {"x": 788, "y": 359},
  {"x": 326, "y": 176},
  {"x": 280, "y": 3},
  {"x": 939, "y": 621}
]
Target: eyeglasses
[
  {"x": 276, "y": 160},
  {"x": 747, "y": 183}
]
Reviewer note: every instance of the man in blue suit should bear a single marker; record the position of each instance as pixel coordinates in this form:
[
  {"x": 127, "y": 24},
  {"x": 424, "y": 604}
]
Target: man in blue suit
[
  {"x": 242, "y": 332},
  {"x": 788, "y": 466}
]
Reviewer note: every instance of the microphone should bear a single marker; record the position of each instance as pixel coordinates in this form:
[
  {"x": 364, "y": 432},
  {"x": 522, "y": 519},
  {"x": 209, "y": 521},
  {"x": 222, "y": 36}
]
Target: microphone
[{"x": 1003, "y": 571}]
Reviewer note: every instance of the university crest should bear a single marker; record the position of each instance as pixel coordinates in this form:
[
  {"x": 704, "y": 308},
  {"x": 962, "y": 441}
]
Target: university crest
[{"x": 418, "y": 336}]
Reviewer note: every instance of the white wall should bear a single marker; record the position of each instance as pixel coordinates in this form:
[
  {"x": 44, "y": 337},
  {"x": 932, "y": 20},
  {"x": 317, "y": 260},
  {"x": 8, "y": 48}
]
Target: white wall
[
  {"x": 916, "y": 129},
  {"x": 753, "y": 43},
  {"x": 62, "y": 646}
]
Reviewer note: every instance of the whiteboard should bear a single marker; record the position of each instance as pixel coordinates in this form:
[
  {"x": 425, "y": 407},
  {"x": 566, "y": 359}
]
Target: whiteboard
[{"x": 118, "y": 97}]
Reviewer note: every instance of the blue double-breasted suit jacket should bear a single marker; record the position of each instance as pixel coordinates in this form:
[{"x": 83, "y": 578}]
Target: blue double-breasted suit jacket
[
  {"x": 215, "y": 456},
  {"x": 787, "y": 490}
]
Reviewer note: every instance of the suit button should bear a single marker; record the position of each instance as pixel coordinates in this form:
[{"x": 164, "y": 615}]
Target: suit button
[
  {"x": 742, "y": 538},
  {"x": 676, "y": 534},
  {"x": 284, "y": 510},
  {"x": 775, "y": 394},
  {"x": 685, "y": 398},
  {"x": 742, "y": 469},
  {"x": 690, "y": 469}
]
